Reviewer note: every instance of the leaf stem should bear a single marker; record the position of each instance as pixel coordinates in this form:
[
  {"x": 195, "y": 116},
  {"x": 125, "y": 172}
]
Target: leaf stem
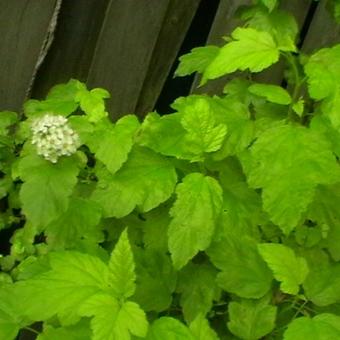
[
  {"x": 298, "y": 81},
  {"x": 27, "y": 328}
]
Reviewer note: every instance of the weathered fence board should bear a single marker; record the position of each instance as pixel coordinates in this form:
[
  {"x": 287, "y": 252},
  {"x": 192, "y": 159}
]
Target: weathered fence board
[
  {"x": 24, "y": 27},
  {"x": 124, "y": 50},
  {"x": 177, "y": 21},
  {"x": 70, "y": 56},
  {"x": 126, "y": 46},
  {"x": 323, "y": 31}
]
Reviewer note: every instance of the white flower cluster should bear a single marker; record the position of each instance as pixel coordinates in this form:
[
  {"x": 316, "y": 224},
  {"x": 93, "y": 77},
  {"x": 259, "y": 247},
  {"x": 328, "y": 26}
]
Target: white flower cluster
[{"x": 54, "y": 138}]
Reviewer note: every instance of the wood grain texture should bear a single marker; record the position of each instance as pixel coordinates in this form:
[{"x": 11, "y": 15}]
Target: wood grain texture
[
  {"x": 71, "y": 53},
  {"x": 324, "y": 31},
  {"x": 124, "y": 50},
  {"x": 23, "y": 28},
  {"x": 174, "y": 28}
]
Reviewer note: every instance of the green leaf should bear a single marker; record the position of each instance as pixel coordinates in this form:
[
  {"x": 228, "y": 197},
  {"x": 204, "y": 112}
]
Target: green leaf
[
  {"x": 203, "y": 133},
  {"x": 7, "y": 119},
  {"x": 288, "y": 162},
  {"x": 198, "y": 205},
  {"x": 243, "y": 272},
  {"x": 325, "y": 211},
  {"x": 289, "y": 269},
  {"x": 251, "y": 319},
  {"x": 93, "y": 104},
  {"x": 273, "y": 93},
  {"x": 299, "y": 107},
  {"x": 11, "y": 319},
  {"x": 196, "y": 61},
  {"x": 78, "y": 222},
  {"x": 280, "y": 24},
  {"x": 145, "y": 180},
  {"x": 61, "y": 100},
  {"x": 114, "y": 321},
  {"x": 242, "y": 206},
  {"x": 236, "y": 116},
  {"x": 155, "y": 229},
  {"x": 122, "y": 268},
  {"x": 201, "y": 329},
  {"x": 80, "y": 331},
  {"x": 321, "y": 327},
  {"x": 46, "y": 188},
  {"x": 270, "y": 4},
  {"x": 115, "y": 142},
  {"x": 323, "y": 71},
  {"x": 169, "y": 329},
  {"x": 322, "y": 285},
  {"x": 196, "y": 284},
  {"x": 165, "y": 135},
  {"x": 73, "y": 278},
  {"x": 156, "y": 280},
  {"x": 250, "y": 49}
]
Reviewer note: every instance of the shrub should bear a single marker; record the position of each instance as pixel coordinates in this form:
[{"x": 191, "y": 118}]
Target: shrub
[{"x": 221, "y": 219}]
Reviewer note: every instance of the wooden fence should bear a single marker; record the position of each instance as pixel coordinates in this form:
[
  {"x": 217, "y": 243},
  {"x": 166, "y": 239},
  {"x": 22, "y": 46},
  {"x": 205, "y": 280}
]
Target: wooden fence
[{"x": 125, "y": 46}]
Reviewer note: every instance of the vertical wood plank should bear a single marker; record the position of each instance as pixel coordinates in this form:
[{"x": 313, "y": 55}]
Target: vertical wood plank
[
  {"x": 23, "y": 29},
  {"x": 124, "y": 50},
  {"x": 177, "y": 21},
  {"x": 73, "y": 47},
  {"x": 324, "y": 31}
]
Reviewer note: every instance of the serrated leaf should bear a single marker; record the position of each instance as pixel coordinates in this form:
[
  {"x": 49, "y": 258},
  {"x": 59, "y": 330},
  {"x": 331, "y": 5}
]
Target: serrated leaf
[
  {"x": 196, "y": 61},
  {"x": 198, "y": 205},
  {"x": 322, "y": 285},
  {"x": 288, "y": 162},
  {"x": 241, "y": 130},
  {"x": 78, "y": 222},
  {"x": 116, "y": 142},
  {"x": 321, "y": 327},
  {"x": 289, "y": 269},
  {"x": 243, "y": 271},
  {"x": 46, "y": 188},
  {"x": 280, "y": 24},
  {"x": 196, "y": 284},
  {"x": 92, "y": 103},
  {"x": 145, "y": 180},
  {"x": 122, "y": 268},
  {"x": 273, "y": 93},
  {"x": 165, "y": 135},
  {"x": 203, "y": 133},
  {"x": 251, "y": 319},
  {"x": 156, "y": 280},
  {"x": 169, "y": 329},
  {"x": 73, "y": 278},
  {"x": 250, "y": 49},
  {"x": 201, "y": 329},
  {"x": 114, "y": 321}
]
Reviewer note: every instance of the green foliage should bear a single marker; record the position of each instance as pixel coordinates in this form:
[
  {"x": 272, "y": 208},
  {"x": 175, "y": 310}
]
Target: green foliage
[
  {"x": 251, "y": 320},
  {"x": 218, "y": 221}
]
